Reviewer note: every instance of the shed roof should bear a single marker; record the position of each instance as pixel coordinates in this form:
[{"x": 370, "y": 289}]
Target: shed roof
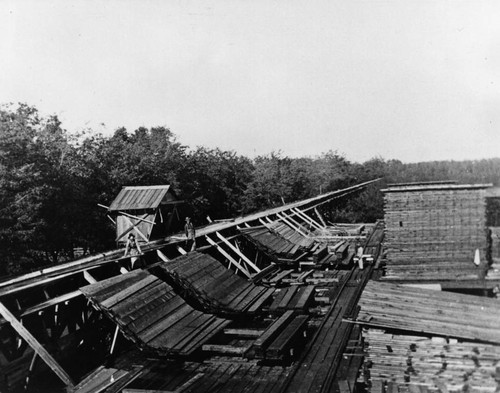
[{"x": 139, "y": 197}]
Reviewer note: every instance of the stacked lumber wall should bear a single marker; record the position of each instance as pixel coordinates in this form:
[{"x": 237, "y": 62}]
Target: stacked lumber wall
[
  {"x": 433, "y": 232},
  {"x": 420, "y": 364}
]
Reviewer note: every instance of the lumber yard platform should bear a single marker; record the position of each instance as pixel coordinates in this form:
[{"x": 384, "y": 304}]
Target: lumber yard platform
[{"x": 279, "y": 301}]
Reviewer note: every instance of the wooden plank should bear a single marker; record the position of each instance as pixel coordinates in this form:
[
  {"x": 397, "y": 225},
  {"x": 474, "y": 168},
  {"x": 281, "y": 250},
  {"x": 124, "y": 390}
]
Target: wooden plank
[
  {"x": 244, "y": 332},
  {"x": 128, "y": 291},
  {"x": 36, "y": 346},
  {"x": 286, "y": 338},
  {"x": 305, "y": 297},
  {"x": 263, "y": 341},
  {"x": 226, "y": 349}
]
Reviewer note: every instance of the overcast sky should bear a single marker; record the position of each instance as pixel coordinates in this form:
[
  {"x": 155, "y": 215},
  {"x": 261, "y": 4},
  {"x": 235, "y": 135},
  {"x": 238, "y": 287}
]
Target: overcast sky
[{"x": 412, "y": 80}]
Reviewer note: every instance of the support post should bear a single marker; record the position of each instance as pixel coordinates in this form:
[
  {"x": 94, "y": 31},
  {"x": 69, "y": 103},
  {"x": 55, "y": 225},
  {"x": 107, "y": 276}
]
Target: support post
[
  {"x": 295, "y": 222},
  {"x": 308, "y": 219},
  {"x": 287, "y": 221},
  {"x": 320, "y": 217},
  {"x": 162, "y": 256},
  {"x": 37, "y": 347},
  {"x": 229, "y": 257},
  {"x": 237, "y": 251},
  {"x": 115, "y": 336},
  {"x": 88, "y": 277},
  {"x": 181, "y": 250}
]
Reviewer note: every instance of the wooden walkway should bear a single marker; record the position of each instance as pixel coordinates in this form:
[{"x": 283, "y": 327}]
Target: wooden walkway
[
  {"x": 218, "y": 290},
  {"x": 316, "y": 370},
  {"x": 148, "y": 312}
]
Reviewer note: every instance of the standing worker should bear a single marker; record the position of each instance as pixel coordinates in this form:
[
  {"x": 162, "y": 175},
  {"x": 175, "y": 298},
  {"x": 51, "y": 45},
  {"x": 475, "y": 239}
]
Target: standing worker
[
  {"x": 190, "y": 235},
  {"x": 133, "y": 249}
]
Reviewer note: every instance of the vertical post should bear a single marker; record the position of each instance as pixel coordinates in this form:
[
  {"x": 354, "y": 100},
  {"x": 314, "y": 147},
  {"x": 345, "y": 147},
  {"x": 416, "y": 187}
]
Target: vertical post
[{"x": 115, "y": 336}]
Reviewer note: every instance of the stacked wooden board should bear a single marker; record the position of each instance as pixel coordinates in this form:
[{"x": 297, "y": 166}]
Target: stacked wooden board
[
  {"x": 427, "y": 311},
  {"x": 292, "y": 298},
  {"x": 396, "y": 362},
  {"x": 292, "y": 235},
  {"x": 433, "y": 232},
  {"x": 218, "y": 290},
  {"x": 271, "y": 243},
  {"x": 148, "y": 312},
  {"x": 216, "y": 375}
]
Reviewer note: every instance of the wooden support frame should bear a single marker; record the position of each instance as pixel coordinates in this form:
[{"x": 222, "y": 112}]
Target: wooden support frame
[
  {"x": 162, "y": 256},
  {"x": 320, "y": 216},
  {"x": 307, "y": 218},
  {"x": 36, "y": 346},
  {"x": 237, "y": 251},
  {"x": 291, "y": 224},
  {"x": 229, "y": 257},
  {"x": 295, "y": 222},
  {"x": 115, "y": 336},
  {"x": 133, "y": 227}
]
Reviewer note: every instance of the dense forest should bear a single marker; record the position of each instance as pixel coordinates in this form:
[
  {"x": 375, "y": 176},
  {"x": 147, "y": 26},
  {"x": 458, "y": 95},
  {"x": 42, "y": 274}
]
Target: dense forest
[{"x": 51, "y": 181}]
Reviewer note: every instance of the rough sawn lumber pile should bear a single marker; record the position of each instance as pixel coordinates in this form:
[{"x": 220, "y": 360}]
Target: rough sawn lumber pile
[
  {"x": 403, "y": 362},
  {"x": 433, "y": 232},
  {"x": 433, "y": 312}
]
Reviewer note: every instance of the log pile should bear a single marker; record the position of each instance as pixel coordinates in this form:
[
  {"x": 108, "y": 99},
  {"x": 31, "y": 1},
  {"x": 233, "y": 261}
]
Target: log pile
[
  {"x": 217, "y": 289},
  {"x": 148, "y": 312},
  {"x": 427, "y": 311},
  {"x": 396, "y": 362},
  {"x": 433, "y": 232}
]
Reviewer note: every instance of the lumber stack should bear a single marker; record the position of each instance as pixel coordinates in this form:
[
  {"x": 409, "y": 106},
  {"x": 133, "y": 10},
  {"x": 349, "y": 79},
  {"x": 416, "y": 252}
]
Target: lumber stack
[
  {"x": 218, "y": 290},
  {"x": 427, "y": 311},
  {"x": 397, "y": 362},
  {"x": 148, "y": 312},
  {"x": 292, "y": 235},
  {"x": 271, "y": 243},
  {"x": 292, "y": 298},
  {"x": 433, "y": 232}
]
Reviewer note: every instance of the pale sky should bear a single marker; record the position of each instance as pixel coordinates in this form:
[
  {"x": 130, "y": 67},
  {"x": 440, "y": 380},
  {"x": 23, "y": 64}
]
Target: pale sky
[{"x": 414, "y": 80}]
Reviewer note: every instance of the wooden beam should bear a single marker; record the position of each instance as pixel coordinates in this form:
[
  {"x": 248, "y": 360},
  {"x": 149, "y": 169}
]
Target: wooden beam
[
  {"x": 298, "y": 224},
  {"x": 36, "y": 346},
  {"x": 320, "y": 217},
  {"x": 115, "y": 336},
  {"x": 229, "y": 257},
  {"x": 308, "y": 218},
  {"x": 240, "y": 254},
  {"x": 134, "y": 228},
  {"x": 290, "y": 224},
  {"x": 162, "y": 256},
  {"x": 88, "y": 277}
]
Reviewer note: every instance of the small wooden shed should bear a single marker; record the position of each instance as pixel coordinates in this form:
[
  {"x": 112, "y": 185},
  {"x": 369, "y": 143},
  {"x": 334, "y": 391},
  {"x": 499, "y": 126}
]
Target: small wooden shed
[{"x": 147, "y": 211}]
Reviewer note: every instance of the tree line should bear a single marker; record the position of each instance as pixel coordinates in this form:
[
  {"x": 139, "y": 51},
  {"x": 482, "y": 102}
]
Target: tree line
[{"x": 51, "y": 181}]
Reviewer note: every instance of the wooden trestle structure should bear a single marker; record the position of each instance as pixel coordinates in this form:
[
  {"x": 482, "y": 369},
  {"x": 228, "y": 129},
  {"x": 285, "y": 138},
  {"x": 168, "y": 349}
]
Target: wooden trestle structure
[{"x": 271, "y": 302}]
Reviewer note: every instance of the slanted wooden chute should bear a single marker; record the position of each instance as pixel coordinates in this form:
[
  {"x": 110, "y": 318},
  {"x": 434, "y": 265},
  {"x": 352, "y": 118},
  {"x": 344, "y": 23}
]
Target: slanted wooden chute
[{"x": 150, "y": 212}]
